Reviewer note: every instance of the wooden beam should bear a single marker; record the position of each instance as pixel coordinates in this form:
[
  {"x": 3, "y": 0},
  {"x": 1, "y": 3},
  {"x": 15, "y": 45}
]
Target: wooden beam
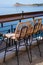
[{"x": 19, "y": 16}]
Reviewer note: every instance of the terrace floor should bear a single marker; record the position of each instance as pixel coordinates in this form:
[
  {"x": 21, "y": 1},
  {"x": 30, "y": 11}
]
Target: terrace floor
[{"x": 23, "y": 58}]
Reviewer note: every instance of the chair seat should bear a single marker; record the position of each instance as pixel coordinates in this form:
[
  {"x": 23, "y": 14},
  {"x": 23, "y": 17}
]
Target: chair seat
[
  {"x": 8, "y": 35},
  {"x": 11, "y": 35},
  {"x": 39, "y": 38}
]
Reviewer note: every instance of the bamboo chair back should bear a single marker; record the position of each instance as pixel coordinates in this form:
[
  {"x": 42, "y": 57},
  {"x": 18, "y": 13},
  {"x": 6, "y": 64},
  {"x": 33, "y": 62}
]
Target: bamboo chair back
[
  {"x": 37, "y": 26},
  {"x": 21, "y": 29},
  {"x": 30, "y": 29}
]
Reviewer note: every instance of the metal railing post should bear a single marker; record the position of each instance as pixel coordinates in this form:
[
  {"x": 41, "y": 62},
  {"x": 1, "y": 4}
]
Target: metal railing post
[
  {"x": 20, "y": 20},
  {"x": 1, "y": 24},
  {"x": 11, "y": 28}
]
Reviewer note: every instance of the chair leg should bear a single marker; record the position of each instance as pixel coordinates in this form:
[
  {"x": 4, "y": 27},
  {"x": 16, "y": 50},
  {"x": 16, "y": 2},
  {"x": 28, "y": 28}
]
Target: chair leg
[
  {"x": 17, "y": 54},
  {"x": 30, "y": 48},
  {"x": 5, "y": 53},
  {"x": 26, "y": 44},
  {"x": 9, "y": 42},
  {"x": 39, "y": 48},
  {"x": 30, "y": 52}
]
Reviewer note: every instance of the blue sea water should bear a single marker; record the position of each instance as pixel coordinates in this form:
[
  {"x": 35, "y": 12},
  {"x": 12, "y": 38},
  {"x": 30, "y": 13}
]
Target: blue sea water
[{"x": 17, "y": 9}]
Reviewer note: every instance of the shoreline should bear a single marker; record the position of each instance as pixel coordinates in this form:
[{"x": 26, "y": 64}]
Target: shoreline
[{"x": 19, "y": 4}]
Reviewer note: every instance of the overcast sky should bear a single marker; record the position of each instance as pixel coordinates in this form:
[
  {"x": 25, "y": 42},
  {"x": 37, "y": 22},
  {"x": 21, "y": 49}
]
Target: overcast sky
[{"x": 11, "y": 2}]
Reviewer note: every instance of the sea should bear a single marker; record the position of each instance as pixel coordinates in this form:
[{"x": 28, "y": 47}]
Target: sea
[{"x": 16, "y": 9}]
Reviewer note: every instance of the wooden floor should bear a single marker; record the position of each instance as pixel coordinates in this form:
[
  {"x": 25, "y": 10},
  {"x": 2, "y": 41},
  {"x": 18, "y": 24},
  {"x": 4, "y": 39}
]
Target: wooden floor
[{"x": 23, "y": 58}]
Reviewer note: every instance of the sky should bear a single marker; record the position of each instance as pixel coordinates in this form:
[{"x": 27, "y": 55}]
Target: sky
[{"x": 11, "y": 2}]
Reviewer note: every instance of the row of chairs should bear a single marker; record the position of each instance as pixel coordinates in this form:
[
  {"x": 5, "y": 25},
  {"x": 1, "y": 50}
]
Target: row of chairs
[{"x": 24, "y": 31}]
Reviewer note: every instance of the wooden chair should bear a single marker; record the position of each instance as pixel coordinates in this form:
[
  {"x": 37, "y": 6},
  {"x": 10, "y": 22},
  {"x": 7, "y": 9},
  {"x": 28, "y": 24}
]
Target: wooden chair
[
  {"x": 29, "y": 37},
  {"x": 37, "y": 28},
  {"x": 33, "y": 30},
  {"x": 20, "y": 34}
]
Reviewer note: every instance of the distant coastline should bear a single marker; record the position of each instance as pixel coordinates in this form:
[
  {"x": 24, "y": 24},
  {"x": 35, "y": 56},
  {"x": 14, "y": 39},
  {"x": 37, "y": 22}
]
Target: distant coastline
[{"x": 19, "y": 4}]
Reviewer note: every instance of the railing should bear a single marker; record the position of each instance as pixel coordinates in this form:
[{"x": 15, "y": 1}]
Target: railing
[{"x": 19, "y": 16}]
